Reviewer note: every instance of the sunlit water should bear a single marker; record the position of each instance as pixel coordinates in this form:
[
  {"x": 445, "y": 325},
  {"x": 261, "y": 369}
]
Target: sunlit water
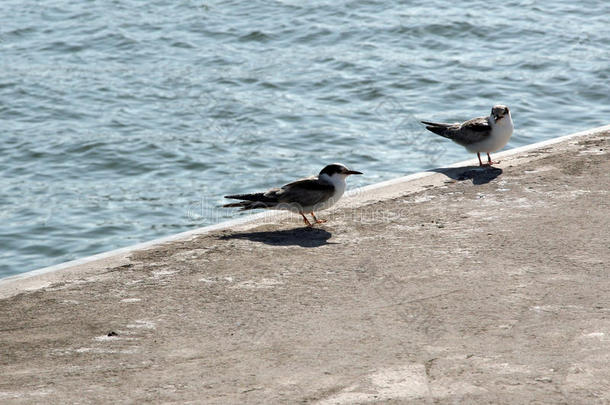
[{"x": 123, "y": 121}]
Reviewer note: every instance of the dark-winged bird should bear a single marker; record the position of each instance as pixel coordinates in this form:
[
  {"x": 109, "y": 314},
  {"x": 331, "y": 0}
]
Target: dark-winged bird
[{"x": 303, "y": 196}]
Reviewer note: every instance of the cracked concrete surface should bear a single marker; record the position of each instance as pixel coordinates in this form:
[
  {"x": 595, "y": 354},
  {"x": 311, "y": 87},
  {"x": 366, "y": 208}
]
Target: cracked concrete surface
[{"x": 476, "y": 286}]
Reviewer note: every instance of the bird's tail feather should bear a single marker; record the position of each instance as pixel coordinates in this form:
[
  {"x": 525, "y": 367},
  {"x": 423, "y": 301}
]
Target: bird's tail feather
[
  {"x": 438, "y": 128},
  {"x": 262, "y": 197},
  {"x": 249, "y": 205},
  {"x": 435, "y": 124},
  {"x": 251, "y": 201}
]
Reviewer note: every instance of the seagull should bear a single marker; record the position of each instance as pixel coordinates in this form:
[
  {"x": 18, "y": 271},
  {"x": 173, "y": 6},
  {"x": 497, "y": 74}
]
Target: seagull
[
  {"x": 303, "y": 196},
  {"x": 482, "y": 134}
]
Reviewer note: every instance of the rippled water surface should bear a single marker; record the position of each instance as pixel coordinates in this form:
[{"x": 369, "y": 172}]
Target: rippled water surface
[{"x": 123, "y": 121}]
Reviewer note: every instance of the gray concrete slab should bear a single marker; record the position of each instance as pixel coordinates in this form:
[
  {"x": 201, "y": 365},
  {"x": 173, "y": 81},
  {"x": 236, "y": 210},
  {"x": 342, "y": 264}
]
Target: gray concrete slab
[{"x": 466, "y": 286}]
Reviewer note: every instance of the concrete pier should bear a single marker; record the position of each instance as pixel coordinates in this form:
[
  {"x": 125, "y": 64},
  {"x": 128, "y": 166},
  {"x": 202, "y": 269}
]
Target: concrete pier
[{"x": 465, "y": 285}]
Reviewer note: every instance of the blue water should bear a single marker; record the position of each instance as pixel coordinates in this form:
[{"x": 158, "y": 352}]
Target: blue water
[{"x": 123, "y": 121}]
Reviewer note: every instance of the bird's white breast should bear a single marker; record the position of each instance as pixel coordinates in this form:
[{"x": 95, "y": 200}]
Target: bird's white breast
[
  {"x": 501, "y": 132},
  {"x": 338, "y": 182}
]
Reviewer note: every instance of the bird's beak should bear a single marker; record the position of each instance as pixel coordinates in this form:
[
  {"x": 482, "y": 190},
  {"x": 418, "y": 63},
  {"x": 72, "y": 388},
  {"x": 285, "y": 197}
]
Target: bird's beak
[{"x": 352, "y": 172}]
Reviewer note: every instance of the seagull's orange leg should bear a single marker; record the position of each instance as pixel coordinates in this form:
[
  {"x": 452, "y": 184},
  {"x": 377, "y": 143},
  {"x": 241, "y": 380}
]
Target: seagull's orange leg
[
  {"x": 318, "y": 221},
  {"x": 489, "y": 160},
  {"x": 306, "y": 220}
]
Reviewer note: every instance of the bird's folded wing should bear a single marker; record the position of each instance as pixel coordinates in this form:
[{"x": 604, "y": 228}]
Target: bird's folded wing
[
  {"x": 306, "y": 192},
  {"x": 472, "y": 131}
]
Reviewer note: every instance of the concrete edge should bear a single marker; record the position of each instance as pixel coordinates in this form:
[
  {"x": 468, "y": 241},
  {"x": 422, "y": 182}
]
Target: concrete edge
[{"x": 385, "y": 190}]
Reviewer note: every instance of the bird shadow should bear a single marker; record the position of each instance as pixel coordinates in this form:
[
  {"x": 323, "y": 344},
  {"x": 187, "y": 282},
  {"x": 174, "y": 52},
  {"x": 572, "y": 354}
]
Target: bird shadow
[
  {"x": 303, "y": 237},
  {"x": 479, "y": 175}
]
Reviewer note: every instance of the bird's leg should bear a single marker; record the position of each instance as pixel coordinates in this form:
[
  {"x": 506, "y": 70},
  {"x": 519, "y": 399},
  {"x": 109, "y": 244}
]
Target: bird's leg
[
  {"x": 306, "y": 220},
  {"x": 318, "y": 221},
  {"x": 489, "y": 160},
  {"x": 484, "y": 164}
]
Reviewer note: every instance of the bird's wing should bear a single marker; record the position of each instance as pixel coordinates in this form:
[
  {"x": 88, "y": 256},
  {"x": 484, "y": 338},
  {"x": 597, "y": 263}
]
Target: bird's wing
[
  {"x": 442, "y": 129},
  {"x": 469, "y": 132},
  {"x": 306, "y": 192},
  {"x": 472, "y": 131}
]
